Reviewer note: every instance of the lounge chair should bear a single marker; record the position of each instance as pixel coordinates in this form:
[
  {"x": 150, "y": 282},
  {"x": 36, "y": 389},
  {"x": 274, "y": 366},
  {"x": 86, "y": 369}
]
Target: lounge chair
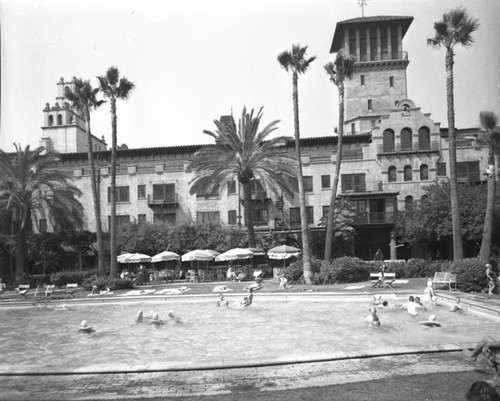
[
  {"x": 71, "y": 289},
  {"x": 386, "y": 282},
  {"x": 23, "y": 289}
]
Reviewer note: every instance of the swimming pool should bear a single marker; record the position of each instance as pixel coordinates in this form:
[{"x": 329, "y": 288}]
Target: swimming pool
[{"x": 47, "y": 339}]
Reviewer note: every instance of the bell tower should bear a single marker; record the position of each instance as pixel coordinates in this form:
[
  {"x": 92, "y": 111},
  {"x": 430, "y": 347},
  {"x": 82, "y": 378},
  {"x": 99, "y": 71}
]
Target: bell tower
[
  {"x": 379, "y": 81},
  {"x": 63, "y": 129}
]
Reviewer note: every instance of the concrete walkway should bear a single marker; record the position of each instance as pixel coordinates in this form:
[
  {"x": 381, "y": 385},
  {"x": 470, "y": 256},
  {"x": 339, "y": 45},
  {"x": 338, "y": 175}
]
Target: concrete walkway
[{"x": 125, "y": 386}]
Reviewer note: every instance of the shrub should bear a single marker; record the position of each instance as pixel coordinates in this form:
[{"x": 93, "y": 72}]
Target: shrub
[
  {"x": 102, "y": 282},
  {"x": 62, "y": 278},
  {"x": 295, "y": 272},
  {"x": 345, "y": 270},
  {"x": 470, "y": 274}
]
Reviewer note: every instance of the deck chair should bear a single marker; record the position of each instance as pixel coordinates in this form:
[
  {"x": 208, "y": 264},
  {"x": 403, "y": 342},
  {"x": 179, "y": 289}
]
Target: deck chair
[
  {"x": 49, "y": 290},
  {"x": 22, "y": 290},
  {"x": 71, "y": 289}
]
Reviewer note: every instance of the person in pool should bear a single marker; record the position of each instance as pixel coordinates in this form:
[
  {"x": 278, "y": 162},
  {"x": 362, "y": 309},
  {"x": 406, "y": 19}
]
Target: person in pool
[
  {"x": 247, "y": 301},
  {"x": 456, "y": 307},
  {"x": 411, "y": 306},
  {"x": 84, "y": 328},
  {"x": 373, "y": 318},
  {"x": 431, "y": 322},
  {"x": 155, "y": 319},
  {"x": 139, "y": 316},
  {"x": 222, "y": 301},
  {"x": 175, "y": 319}
]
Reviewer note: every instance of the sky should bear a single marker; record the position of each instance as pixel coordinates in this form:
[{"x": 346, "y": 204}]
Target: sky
[{"x": 193, "y": 61}]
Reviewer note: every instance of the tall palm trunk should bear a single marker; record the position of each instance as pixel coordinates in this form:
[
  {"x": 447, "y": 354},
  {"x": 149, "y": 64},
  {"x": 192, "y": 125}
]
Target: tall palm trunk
[
  {"x": 302, "y": 197},
  {"x": 338, "y": 161},
  {"x": 97, "y": 203},
  {"x": 247, "y": 200},
  {"x": 21, "y": 252},
  {"x": 112, "y": 241},
  {"x": 485, "y": 251},
  {"x": 458, "y": 252}
]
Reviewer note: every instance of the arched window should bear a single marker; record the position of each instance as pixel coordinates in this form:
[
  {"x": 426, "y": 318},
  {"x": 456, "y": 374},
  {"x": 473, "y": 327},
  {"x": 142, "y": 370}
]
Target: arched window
[
  {"x": 51, "y": 121},
  {"x": 409, "y": 203},
  {"x": 392, "y": 174},
  {"x": 424, "y": 172},
  {"x": 408, "y": 173},
  {"x": 59, "y": 119},
  {"x": 424, "y": 139},
  {"x": 406, "y": 139},
  {"x": 388, "y": 140}
]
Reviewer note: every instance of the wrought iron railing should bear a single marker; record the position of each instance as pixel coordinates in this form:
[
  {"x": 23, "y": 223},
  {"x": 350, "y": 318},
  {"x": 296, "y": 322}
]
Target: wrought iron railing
[
  {"x": 375, "y": 218},
  {"x": 170, "y": 199},
  {"x": 382, "y": 56}
]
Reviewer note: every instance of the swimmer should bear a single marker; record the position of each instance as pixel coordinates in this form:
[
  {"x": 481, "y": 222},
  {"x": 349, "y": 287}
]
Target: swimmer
[
  {"x": 84, "y": 328},
  {"x": 411, "y": 306},
  {"x": 222, "y": 301},
  {"x": 155, "y": 319},
  {"x": 247, "y": 301},
  {"x": 419, "y": 302},
  {"x": 384, "y": 305},
  {"x": 176, "y": 319},
  {"x": 431, "y": 322},
  {"x": 139, "y": 317},
  {"x": 373, "y": 318},
  {"x": 457, "y": 307}
]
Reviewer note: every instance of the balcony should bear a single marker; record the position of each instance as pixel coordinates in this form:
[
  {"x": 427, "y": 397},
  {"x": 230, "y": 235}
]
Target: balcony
[
  {"x": 364, "y": 186},
  {"x": 408, "y": 148},
  {"x": 375, "y": 218},
  {"x": 166, "y": 200},
  {"x": 383, "y": 56}
]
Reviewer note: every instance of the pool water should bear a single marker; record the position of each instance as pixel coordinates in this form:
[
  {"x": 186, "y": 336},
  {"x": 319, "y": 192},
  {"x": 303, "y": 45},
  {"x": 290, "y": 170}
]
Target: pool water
[{"x": 47, "y": 337}]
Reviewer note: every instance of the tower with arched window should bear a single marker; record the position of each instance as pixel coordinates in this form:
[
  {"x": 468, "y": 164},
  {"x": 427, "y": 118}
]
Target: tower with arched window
[{"x": 63, "y": 128}]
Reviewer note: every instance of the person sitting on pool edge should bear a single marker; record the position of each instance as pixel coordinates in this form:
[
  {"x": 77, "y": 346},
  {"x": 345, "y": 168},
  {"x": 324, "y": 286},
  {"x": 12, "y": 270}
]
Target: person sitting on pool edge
[
  {"x": 84, "y": 328},
  {"x": 490, "y": 348},
  {"x": 256, "y": 286}
]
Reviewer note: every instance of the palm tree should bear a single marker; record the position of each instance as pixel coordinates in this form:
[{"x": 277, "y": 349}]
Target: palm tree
[
  {"x": 455, "y": 28},
  {"x": 339, "y": 71},
  {"x": 490, "y": 137},
  {"x": 244, "y": 153},
  {"x": 84, "y": 98},
  {"x": 31, "y": 189},
  {"x": 114, "y": 87},
  {"x": 296, "y": 61}
]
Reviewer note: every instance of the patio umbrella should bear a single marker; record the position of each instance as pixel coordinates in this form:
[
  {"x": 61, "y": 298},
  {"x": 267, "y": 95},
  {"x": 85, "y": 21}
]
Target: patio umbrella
[
  {"x": 234, "y": 254},
  {"x": 257, "y": 251},
  {"x": 199, "y": 255},
  {"x": 165, "y": 256},
  {"x": 121, "y": 258},
  {"x": 283, "y": 252},
  {"x": 137, "y": 258}
]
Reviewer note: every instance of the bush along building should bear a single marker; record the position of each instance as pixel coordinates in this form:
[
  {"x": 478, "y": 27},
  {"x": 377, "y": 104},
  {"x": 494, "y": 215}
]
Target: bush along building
[{"x": 392, "y": 149}]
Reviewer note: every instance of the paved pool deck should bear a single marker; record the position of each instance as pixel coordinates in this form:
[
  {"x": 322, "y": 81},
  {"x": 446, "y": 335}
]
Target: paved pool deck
[{"x": 261, "y": 375}]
